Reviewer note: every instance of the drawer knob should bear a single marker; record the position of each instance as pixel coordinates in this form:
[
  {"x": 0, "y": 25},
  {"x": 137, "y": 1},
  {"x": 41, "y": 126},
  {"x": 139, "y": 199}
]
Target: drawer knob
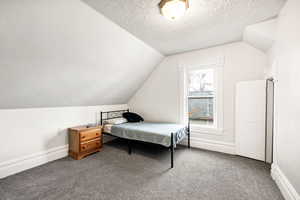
[{"x": 83, "y": 136}]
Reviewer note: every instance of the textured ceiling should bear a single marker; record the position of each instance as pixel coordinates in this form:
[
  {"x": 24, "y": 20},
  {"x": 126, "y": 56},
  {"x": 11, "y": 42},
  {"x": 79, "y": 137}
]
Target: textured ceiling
[{"x": 207, "y": 22}]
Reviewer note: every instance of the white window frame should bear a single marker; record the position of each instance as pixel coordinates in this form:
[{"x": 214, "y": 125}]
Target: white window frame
[{"x": 217, "y": 128}]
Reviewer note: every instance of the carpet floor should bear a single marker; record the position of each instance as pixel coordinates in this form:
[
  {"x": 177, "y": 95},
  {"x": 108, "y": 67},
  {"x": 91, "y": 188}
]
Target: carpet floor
[{"x": 112, "y": 174}]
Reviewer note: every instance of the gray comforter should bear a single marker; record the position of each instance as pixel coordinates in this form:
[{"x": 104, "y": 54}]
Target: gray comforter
[{"x": 158, "y": 133}]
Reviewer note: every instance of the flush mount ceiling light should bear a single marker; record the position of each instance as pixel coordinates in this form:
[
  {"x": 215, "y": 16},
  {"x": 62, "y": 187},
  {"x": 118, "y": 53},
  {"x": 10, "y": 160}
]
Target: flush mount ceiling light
[{"x": 173, "y": 9}]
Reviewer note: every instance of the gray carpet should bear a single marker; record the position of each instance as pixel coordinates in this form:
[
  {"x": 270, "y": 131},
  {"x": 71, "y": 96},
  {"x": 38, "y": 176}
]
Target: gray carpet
[{"x": 113, "y": 174}]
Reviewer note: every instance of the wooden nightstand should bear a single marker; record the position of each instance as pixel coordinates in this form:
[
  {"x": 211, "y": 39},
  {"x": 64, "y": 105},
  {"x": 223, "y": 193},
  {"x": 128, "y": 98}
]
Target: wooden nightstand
[{"x": 84, "y": 141}]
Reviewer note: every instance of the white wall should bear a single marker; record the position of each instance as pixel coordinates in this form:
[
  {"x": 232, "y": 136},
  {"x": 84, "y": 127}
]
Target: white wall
[
  {"x": 30, "y": 134},
  {"x": 158, "y": 99},
  {"x": 64, "y": 53},
  {"x": 286, "y": 70}
]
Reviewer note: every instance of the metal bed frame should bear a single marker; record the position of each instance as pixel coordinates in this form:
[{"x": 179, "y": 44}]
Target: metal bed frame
[{"x": 172, "y": 146}]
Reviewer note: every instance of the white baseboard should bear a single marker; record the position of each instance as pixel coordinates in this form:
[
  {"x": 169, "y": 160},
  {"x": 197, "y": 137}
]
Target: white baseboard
[
  {"x": 14, "y": 166},
  {"x": 212, "y": 145},
  {"x": 286, "y": 188}
]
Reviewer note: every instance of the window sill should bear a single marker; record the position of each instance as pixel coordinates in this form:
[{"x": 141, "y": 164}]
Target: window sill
[{"x": 208, "y": 130}]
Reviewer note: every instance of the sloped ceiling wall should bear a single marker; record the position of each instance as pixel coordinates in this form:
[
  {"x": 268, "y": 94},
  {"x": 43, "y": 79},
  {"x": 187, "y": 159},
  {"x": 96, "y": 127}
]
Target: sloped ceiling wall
[
  {"x": 261, "y": 35},
  {"x": 64, "y": 53}
]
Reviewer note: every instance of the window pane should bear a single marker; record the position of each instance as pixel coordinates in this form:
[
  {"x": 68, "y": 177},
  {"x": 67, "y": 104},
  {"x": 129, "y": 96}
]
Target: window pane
[{"x": 201, "y": 96}]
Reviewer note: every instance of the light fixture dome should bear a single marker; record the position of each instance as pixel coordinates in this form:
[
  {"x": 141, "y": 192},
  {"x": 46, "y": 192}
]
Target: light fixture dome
[{"x": 173, "y": 9}]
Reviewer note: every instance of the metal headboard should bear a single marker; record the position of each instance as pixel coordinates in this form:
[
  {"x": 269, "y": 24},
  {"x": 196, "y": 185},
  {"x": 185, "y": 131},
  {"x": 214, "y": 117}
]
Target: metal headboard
[{"x": 106, "y": 115}]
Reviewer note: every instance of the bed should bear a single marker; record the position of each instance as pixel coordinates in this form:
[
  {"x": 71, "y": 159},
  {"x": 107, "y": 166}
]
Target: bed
[{"x": 165, "y": 134}]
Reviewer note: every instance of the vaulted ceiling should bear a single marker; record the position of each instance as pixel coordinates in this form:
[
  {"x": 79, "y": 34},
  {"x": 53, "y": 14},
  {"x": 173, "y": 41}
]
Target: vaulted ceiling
[
  {"x": 67, "y": 53},
  {"x": 207, "y": 22}
]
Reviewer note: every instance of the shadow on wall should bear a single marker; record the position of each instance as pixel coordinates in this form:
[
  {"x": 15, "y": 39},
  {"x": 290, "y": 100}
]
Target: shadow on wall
[{"x": 56, "y": 141}]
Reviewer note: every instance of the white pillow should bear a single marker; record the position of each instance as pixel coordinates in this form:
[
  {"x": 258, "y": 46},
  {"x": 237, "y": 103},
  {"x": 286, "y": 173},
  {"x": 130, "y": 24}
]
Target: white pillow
[{"x": 114, "y": 121}]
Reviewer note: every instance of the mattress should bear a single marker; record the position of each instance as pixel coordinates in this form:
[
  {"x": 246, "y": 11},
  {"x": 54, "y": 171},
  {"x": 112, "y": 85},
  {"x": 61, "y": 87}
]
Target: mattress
[
  {"x": 107, "y": 128},
  {"x": 158, "y": 133}
]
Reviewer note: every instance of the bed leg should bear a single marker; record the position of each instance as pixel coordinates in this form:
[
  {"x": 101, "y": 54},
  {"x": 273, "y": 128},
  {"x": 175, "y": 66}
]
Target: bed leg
[
  {"x": 189, "y": 134},
  {"x": 172, "y": 150},
  {"x": 189, "y": 139},
  {"x": 129, "y": 146},
  {"x": 101, "y": 118}
]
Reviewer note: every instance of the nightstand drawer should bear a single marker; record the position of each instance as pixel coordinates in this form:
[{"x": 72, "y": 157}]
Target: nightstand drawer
[
  {"x": 93, "y": 144},
  {"x": 89, "y": 135}
]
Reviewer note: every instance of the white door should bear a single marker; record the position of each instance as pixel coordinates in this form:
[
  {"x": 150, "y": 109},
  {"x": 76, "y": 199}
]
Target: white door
[{"x": 250, "y": 119}]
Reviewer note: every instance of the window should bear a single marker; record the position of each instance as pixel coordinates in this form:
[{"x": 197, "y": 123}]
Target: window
[{"x": 201, "y": 97}]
